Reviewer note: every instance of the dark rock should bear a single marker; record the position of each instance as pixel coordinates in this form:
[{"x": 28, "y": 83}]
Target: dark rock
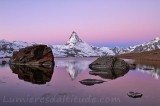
[
  {"x": 90, "y": 82},
  {"x": 109, "y": 67},
  {"x": 132, "y": 66},
  {"x": 33, "y": 74},
  {"x": 148, "y": 69},
  {"x": 33, "y": 55},
  {"x": 134, "y": 95},
  {"x": 4, "y": 62},
  {"x": 109, "y": 63}
]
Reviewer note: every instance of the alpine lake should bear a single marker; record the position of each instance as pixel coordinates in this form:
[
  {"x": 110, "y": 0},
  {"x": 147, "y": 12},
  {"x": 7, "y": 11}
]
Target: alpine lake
[{"x": 60, "y": 85}]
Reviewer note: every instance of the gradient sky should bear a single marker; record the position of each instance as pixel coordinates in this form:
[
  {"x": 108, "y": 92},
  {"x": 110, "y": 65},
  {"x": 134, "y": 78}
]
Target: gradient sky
[{"x": 98, "y": 22}]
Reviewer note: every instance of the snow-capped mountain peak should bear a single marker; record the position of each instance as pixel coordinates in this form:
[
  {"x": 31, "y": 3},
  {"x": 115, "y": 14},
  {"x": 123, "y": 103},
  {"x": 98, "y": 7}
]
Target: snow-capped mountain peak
[
  {"x": 74, "y": 38},
  {"x": 148, "y": 46},
  {"x": 75, "y": 47}
]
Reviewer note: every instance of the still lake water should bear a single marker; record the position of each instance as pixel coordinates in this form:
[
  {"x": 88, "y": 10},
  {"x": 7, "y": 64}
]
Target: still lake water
[{"x": 61, "y": 87}]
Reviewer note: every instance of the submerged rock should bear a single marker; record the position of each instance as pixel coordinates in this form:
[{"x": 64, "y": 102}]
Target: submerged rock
[
  {"x": 134, "y": 94},
  {"x": 109, "y": 62},
  {"x": 33, "y": 74},
  {"x": 90, "y": 82},
  {"x": 33, "y": 55}
]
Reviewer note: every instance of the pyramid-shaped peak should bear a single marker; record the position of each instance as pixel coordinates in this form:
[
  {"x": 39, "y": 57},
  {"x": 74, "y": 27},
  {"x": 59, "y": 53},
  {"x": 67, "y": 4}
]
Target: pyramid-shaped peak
[
  {"x": 74, "y": 38},
  {"x": 74, "y": 33}
]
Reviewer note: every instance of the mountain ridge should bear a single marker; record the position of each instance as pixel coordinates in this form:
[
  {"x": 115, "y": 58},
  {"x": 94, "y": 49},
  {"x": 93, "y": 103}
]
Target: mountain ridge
[{"x": 76, "y": 47}]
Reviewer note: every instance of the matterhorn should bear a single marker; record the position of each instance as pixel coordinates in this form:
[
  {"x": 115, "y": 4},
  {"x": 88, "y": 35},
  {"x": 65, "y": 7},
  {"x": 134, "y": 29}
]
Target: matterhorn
[
  {"x": 74, "y": 39},
  {"x": 76, "y": 47}
]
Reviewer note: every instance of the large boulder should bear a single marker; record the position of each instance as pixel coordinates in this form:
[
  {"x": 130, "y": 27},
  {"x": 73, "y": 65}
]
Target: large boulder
[
  {"x": 109, "y": 67},
  {"x": 109, "y": 63},
  {"x": 33, "y": 55}
]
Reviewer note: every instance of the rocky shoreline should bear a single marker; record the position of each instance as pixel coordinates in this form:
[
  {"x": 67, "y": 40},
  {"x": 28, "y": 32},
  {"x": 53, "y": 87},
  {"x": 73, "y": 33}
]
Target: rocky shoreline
[{"x": 143, "y": 56}]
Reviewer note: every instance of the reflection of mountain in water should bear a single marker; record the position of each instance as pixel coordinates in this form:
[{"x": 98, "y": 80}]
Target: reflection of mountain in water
[
  {"x": 73, "y": 66},
  {"x": 149, "y": 67},
  {"x": 35, "y": 75},
  {"x": 151, "y": 70}
]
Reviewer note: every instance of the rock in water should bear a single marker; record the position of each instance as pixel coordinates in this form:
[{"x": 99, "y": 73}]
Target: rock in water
[
  {"x": 109, "y": 63},
  {"x": 33, "y": 55},
  {"x": 132, "y": 66},
  {"x": 134, "y": 94},
  {"x": 4, "y": 62},
  {"x": 90, "y": 82}
]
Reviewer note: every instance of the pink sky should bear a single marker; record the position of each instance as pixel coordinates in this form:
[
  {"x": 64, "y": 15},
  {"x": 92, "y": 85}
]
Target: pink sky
[{"x": 98, "y": 22}]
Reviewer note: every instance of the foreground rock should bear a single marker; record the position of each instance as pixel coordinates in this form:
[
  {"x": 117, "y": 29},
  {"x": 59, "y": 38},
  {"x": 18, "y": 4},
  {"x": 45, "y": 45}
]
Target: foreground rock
[
  {"x": 134, "y": 95},
  {"x": 90, "y": 82},
  {"x": 33, "y": 74},
  {"x": 109, "y": 67},
  {"x": 109, "y": 63},
  {"x": 33, "y": 55}
]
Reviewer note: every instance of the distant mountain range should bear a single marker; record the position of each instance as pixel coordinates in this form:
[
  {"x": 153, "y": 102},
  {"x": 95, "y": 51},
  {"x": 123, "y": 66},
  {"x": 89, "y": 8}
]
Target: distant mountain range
[
  {"x": 75, "y": 47},
  {"x": 147, "y": 46}
]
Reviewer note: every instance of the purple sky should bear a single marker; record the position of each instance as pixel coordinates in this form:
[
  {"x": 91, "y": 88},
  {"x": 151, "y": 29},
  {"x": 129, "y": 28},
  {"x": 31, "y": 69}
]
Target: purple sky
[{"x": 98, "y": 22}]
